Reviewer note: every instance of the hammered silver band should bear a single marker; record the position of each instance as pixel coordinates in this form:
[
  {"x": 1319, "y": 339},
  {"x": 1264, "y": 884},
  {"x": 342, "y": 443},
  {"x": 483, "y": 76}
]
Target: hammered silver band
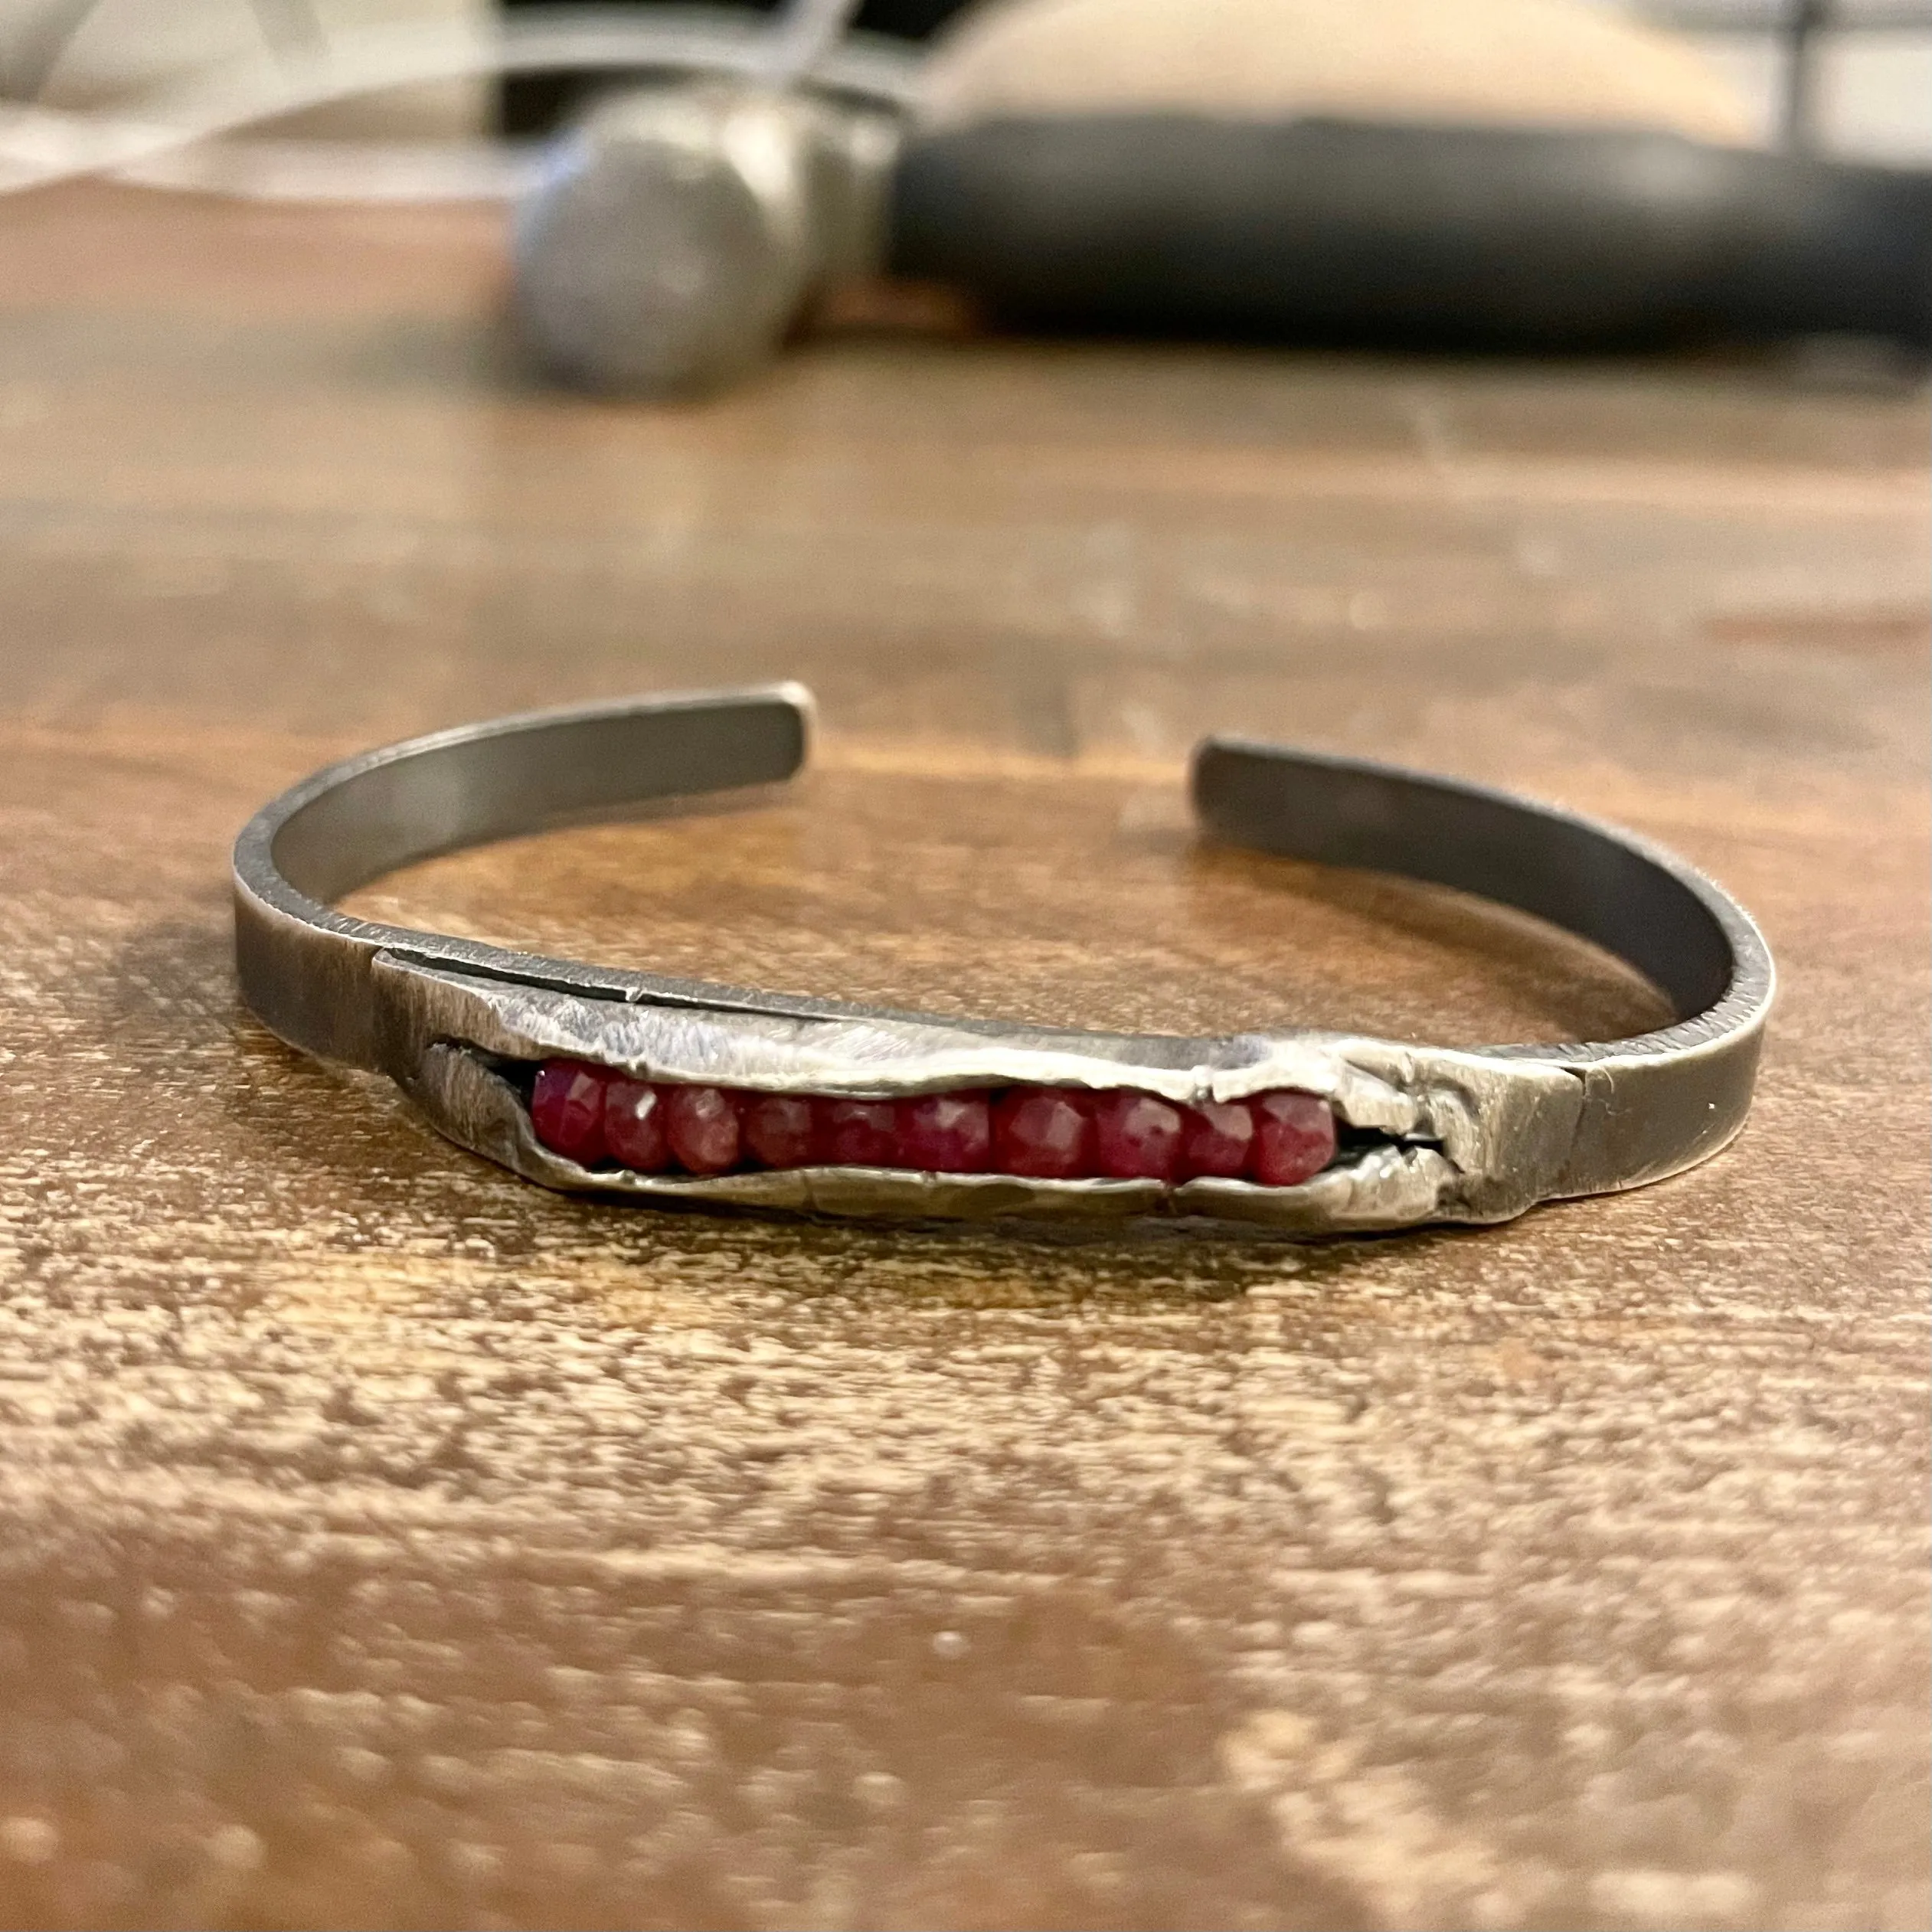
[{"x": 1435, "y": 1134}]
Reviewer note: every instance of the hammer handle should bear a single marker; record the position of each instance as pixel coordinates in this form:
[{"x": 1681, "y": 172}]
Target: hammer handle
[{"x": 1450, "y": 235}]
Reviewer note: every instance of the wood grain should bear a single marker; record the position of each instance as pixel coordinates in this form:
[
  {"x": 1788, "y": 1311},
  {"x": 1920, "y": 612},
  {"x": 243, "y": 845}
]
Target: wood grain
[{"x": 387, "y": 1543}]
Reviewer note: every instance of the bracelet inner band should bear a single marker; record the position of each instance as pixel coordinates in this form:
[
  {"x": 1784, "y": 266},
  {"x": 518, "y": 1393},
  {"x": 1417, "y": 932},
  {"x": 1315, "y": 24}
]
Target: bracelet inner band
[{"x": 1644, "y": 1107}]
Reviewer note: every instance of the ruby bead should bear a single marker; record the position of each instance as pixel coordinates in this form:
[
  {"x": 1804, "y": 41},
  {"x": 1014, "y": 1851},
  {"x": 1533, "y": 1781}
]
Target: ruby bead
[
  {"x": 855, "y": 1133},
  {"x": 633, "y": 1125},
  {"x": 1294, "y": 1137},
  {"x": 701, "y": 1124},
  {"x": 1216, "y": 1139},
  {"x": 589, "y": 1112},
  {"x": 1043, "y": 1133},
  {"x": 567, "y": 1109},
  {"x": 1136, "y": 1136},
  {"x": 777, "y": 1128},
  {"x": 946, "y": 1133}
]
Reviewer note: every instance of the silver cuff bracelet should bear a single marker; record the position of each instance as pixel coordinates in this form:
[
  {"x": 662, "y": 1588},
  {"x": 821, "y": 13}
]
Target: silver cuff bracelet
[{"x": 635, "y": 1086}]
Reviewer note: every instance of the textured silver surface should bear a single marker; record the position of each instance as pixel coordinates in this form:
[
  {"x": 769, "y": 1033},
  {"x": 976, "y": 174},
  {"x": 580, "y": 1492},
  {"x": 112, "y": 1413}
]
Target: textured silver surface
[{"x": 1469, "y": 1139}]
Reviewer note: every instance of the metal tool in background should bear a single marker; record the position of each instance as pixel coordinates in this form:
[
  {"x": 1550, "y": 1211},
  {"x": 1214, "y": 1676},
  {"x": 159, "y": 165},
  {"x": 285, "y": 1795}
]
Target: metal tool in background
[
  {"x": 679, "y": 231},
  {"x": 673, "y": 238}
]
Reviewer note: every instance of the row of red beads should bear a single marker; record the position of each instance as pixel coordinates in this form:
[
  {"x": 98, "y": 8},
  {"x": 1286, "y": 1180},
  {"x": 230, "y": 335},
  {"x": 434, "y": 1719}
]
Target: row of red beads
[{"x": 591, "y": 1114}]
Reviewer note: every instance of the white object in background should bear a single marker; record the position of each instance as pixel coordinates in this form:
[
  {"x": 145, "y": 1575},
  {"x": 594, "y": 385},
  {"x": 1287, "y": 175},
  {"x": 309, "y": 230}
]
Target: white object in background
[
  {"x": 156, "y": 138},
  {"x": 1488, "y": 62},
  {"x": 121, "y": 51},
  {"x": 1870, "y": 95}
]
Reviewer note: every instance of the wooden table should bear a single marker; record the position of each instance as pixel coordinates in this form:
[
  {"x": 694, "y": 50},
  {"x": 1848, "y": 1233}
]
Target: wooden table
[{"x": 387, "y": 1543}]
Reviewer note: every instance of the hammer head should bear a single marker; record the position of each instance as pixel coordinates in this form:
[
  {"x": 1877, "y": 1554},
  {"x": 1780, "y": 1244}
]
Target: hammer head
[{"x": 675, "y": 234}]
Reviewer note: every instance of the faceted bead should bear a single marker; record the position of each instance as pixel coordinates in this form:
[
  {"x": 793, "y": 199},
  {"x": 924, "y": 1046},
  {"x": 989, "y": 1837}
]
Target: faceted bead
[
  {"x": 1136, "y": 1136},
  {"x": 633, "y": 1124},
  {"x": 855, "y": 1133},
  {"x": 701, "y": 1124},
  {"x": 1216, "y": 1138},
  {"x": 1294, "y": 1137},
  {"x": 567, "y": 1109},
  {"x": 1045, "y": 1133},
  {"x": 777, "y": 1128},
  {"x": 946, "y": 1133}
]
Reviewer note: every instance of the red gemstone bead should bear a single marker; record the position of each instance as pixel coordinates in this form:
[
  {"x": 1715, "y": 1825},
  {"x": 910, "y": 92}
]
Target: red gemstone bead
[
  {"x": 946, "y": 1133},
  {"x": 633, "y": 1124},
  {"x": 701, "y": 1124},
  {"x": 855, "y": 1133},
  {"x": 1045, "y": 1133},
  {"x": 567, "y": 1109},
  {"x": 1216, "y": 1138},
  {"x": 1294, "y": 1137},
  {"x": 777, "y": 1128},
  {"x": 1136, "y": 1136}
]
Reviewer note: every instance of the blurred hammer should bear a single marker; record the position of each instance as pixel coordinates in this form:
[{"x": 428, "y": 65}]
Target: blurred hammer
[{"x": 677, "y": 233}]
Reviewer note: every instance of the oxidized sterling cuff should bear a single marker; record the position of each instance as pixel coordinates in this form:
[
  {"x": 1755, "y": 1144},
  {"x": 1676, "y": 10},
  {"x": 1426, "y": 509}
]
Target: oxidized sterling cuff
[{"x": 644, "y": 1088}]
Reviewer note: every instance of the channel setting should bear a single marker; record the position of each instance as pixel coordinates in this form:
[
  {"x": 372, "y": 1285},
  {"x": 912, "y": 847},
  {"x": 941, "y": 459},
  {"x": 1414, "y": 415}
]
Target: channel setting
[{"x": 596, "y": 1115}]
